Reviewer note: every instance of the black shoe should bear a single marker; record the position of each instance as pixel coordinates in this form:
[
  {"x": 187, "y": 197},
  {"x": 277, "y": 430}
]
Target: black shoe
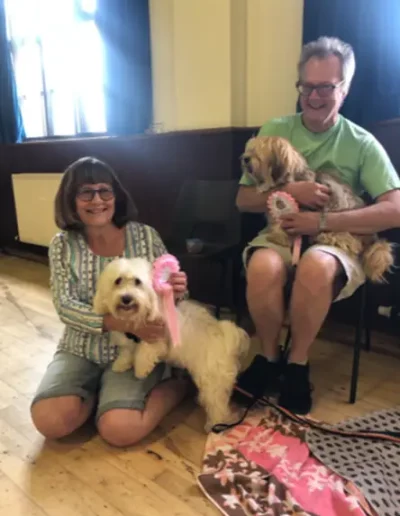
[
  {"x": 296, "y": 389},
  {"x": 260, "y": 378}
]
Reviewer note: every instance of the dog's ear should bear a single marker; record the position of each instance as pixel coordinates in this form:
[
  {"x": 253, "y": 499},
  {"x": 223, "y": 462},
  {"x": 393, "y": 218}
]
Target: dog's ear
[
  {"x": 99, "y": 306},
  {"x": 277, "y": 169},
  {"x": 154, "y": 309}
]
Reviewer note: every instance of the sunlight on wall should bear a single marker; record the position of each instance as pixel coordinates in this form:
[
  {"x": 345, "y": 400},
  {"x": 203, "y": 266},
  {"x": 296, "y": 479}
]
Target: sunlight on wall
[
  {"x": 218, "y": 63},
  {"x": 35, "y": 193},
  {"x": 274, "y": 31}
]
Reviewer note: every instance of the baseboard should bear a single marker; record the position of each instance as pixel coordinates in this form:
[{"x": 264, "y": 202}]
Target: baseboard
[{"x": 33, "y": 253}]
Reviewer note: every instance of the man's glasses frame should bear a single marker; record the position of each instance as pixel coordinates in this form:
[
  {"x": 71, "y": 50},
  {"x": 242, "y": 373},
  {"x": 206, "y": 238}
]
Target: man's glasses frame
[{"x": 323, "y": 90}]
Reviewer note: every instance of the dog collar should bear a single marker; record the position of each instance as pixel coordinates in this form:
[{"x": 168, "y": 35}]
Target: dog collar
[{"x": 133, "y": 337}]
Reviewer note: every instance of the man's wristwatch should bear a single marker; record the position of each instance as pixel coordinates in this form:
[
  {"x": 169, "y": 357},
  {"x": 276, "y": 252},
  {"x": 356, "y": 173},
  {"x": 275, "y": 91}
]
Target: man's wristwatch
[{"x": 322, "y": 221}]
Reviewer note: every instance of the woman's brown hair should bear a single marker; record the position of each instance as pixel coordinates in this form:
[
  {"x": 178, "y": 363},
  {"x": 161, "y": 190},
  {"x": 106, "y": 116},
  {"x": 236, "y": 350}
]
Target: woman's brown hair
[{"x": 89, "y": 170}]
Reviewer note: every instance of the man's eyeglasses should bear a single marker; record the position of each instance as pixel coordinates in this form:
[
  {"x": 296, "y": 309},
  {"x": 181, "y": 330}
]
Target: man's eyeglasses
[
  {"x": 323, "y": 90},
  {"x": 87, "y": 194}
]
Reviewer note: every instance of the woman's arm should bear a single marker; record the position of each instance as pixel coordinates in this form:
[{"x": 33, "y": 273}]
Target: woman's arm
[{"x": 63, "y": 288}]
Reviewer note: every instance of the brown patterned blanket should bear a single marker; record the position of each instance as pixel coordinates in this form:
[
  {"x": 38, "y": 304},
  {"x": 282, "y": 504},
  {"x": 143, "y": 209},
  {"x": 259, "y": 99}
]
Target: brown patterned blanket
[{"x": 273, "y": 465}]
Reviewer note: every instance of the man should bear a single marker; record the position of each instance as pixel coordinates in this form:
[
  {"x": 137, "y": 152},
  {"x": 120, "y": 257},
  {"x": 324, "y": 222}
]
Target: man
[{"x": 324, "y": 274}]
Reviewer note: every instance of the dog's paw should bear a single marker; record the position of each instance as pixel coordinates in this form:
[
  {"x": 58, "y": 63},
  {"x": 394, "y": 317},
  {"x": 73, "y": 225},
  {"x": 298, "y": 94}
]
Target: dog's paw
[
  {"x": 230, "y": 418},
  {"x": 120, "y": 366},
  {"x": 278, "y": 236},
  {"x": 143, "y": 369},
  {"x": 208, "y": 427}
]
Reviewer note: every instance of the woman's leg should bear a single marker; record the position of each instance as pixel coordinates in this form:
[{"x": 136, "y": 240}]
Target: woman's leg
[
  {"x": 57, "y": 417},
  {"x": 65, "y": 397},
  {"x": 129, "y": 409}
]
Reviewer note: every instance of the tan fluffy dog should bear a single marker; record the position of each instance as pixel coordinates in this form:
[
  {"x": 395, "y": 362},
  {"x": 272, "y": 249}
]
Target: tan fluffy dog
[
  {"x": 274, "y": 162},
  {"x": 210, "y": 350}
]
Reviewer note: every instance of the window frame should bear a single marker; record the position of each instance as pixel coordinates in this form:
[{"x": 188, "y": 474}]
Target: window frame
[{"x": 47, "y": 117}]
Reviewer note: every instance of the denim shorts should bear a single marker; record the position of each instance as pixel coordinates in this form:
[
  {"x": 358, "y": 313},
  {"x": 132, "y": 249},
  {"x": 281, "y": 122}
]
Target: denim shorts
[{"x": 71, "y": 375}]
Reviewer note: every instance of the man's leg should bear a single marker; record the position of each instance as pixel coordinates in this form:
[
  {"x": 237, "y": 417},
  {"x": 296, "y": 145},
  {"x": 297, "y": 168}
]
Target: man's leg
[
  {"x": 266, "y": 277},
  {"x": 312, "y": 294}
]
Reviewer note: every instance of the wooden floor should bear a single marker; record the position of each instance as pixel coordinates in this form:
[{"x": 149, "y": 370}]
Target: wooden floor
[{"x": 82, "y": 476}]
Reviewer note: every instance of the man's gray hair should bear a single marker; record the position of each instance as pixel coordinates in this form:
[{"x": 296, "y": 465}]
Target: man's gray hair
[{"x": 325, "y": 47}]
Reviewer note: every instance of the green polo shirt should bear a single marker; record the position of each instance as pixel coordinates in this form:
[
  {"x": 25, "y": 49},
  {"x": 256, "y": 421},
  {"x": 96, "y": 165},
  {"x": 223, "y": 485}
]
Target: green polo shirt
[{"x": 352, "y": 151}]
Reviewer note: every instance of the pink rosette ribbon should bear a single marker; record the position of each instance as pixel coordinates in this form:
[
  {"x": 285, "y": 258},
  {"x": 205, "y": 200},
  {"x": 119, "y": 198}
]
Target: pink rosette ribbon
[
  {"x": 163, "y": 267},
  {"x": 281, "y": 203}
]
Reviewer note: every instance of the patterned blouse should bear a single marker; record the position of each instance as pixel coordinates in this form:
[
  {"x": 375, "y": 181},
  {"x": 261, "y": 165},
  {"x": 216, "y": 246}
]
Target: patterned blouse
[{"x": 74, "y": 270}]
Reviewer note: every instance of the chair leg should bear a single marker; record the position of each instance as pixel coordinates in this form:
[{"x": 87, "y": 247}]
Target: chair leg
[
  {"x": 222, "y": 282},
  {"x": 367, "y": 322},
  {"x": 286, "y": 345},
  {"x": 367, "y": 337},
  {"x": 236, "y": 289},
  {"x": 357, "y": 346},
  {"x": 240, "y": 303}
]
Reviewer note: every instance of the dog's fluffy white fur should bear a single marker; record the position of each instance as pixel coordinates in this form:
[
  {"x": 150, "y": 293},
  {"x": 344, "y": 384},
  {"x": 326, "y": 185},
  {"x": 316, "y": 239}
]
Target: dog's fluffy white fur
[{"x": 210, "y": 350}]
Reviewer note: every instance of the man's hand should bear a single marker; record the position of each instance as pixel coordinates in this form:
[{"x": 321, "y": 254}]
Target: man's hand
[
  {"x": 305, "y": 223},
  {"x": 306, "y": 193}
]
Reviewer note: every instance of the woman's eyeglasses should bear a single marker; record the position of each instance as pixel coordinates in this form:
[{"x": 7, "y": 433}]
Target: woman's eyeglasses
[
  {"x": 323, "y": 90},
  {"x": 87, "y": 194}
]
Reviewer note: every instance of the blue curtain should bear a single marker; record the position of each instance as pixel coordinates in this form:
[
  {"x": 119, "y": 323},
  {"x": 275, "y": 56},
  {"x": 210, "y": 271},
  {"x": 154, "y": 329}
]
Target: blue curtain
[
  {"x": 11, "y": 126},
  {"x": 372, "y": 27},
  {"x": 125, "y": 29}
]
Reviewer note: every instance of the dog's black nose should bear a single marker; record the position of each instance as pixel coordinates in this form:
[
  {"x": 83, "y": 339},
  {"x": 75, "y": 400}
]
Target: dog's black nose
[
  {"x": 126, "y": 299},
  {"x": 246, "y": 160}
]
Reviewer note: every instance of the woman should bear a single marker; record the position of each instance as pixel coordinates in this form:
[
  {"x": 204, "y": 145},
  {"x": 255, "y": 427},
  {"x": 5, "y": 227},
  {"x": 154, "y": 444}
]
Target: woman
[{"x": 97, "y": 219}]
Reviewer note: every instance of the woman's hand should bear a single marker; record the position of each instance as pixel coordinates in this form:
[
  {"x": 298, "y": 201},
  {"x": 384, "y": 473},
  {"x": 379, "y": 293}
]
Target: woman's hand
[
  {"x": 149, "y": 332},
  {"x": 178, "y": 281},
  {"x": 306, "y": 193}
]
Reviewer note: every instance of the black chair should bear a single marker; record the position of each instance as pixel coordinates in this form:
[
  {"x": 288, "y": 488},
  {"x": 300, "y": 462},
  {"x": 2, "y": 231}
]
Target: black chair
[
  {"x": 251, "y": 225},
  {"x": 206, "y": 210}
]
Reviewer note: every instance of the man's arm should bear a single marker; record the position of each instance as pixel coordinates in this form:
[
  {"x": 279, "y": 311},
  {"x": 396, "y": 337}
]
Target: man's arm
[
  {"x": 383, "y": 215},
  {"x": 380, "y": 179},
  {"x": 249, "y": 199},
  {"x": 312, "y": 195}
]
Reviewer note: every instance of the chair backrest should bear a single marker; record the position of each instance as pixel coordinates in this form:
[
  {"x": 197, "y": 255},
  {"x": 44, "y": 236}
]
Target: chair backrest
[{"x": 207, "y": 210}]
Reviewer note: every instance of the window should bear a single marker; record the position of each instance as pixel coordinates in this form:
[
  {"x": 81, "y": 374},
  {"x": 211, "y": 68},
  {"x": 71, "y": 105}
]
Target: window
[{"x": 57, "y": 55}]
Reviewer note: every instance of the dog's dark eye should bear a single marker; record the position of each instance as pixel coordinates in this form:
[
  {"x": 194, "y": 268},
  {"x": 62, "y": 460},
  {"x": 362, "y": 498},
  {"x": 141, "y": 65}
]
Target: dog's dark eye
[
  {"x": 118, "y": 281},
  {"x": 137, "y": 282}
]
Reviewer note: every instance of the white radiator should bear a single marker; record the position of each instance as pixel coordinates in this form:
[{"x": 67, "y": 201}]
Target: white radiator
[{"x": 34, "y": 196}]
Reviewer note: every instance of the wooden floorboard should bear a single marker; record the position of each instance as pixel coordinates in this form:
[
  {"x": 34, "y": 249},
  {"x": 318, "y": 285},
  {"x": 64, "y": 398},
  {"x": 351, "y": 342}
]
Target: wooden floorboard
[{"x": 83, "y": 476}]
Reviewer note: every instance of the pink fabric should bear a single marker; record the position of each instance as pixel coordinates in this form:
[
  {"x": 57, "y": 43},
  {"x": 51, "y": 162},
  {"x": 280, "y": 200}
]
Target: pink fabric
[{"x": 311, "y": 484}]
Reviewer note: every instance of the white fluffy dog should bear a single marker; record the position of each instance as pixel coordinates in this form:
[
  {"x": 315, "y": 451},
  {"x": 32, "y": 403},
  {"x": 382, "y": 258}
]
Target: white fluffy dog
[{"x": 210, "y": 350}]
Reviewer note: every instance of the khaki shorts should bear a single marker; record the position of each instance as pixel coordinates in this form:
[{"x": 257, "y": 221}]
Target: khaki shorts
[
  {"x": 71, "y": 375},
  {"x": 355, "y": 276}
]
